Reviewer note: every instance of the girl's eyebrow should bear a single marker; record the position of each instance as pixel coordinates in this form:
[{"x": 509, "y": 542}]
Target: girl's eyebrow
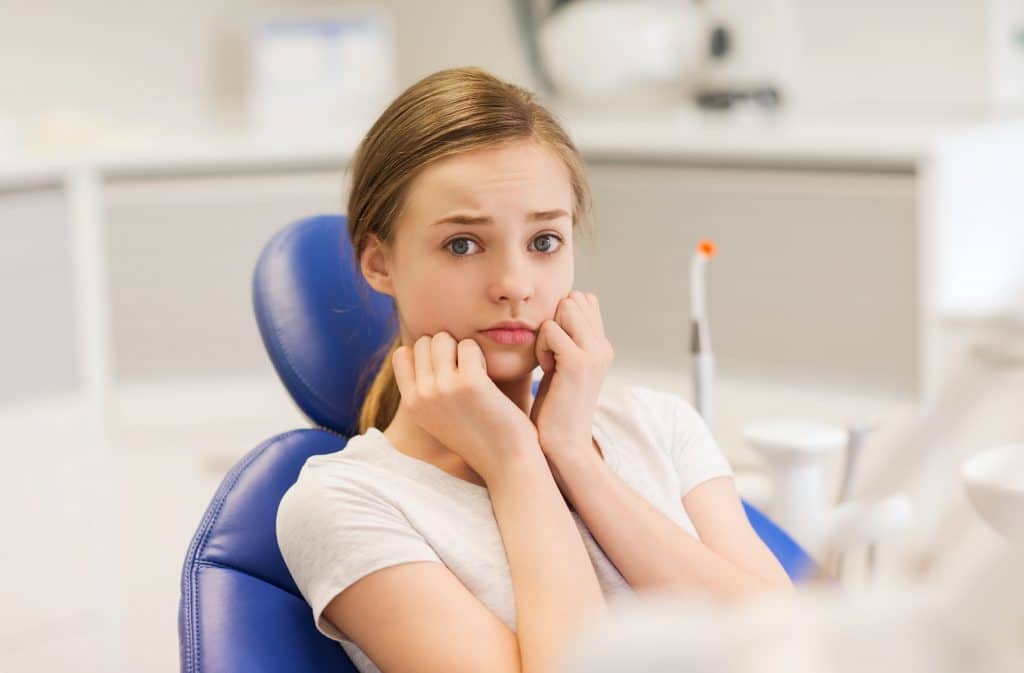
[{"x": 533, "y": 216}]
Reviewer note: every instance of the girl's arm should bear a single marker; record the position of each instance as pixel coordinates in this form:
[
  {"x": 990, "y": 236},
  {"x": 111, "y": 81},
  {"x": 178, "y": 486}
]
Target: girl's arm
[
  {"x": 553, "y": 579},
  {"x": 652, "y": 551}
]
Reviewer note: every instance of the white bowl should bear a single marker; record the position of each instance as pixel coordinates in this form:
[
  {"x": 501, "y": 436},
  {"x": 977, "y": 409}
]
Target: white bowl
[{"x": 995, "y": 486}]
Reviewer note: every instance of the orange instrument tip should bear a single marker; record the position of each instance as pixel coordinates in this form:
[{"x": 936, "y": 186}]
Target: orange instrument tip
[{"x": 706, "y": 248}]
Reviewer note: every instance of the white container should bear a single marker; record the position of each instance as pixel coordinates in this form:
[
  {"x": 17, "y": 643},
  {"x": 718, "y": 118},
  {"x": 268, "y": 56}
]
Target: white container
[
  {"x": 320, "y": 68},
  {"x": 795, "y": 453},
  {"x": 624, "y": 53}
]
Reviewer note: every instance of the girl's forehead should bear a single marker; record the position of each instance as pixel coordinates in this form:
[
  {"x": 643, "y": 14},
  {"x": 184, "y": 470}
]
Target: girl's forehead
[{"x": 492, "y": 178}]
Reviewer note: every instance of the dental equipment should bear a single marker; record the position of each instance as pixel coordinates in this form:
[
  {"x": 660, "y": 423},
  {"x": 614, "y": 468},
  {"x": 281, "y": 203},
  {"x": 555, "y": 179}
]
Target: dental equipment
[
  {"x": 854, "y": 443},
  {"x": 994, "y": 480},
  {"x": 922, "y": 461},
  {"x": 700, "y": 334},
  {"x": 795, "y": 453},
  {"x": 972, "y": 622}
]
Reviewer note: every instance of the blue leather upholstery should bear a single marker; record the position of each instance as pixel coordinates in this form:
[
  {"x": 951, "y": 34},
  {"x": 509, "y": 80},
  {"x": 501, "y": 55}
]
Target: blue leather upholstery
[
  {"x": 240, "y": 610},
  {"x": 319, "y": 319}
]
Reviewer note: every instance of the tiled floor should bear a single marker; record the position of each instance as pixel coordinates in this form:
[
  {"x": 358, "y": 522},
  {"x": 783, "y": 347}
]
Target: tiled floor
[{"x": 90, "y": 575}]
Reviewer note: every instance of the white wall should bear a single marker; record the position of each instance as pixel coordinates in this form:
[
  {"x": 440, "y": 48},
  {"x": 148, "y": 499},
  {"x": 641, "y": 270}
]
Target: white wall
[
  {"x": 896, "y": 57},
  {"x": 184, "y": 61},
  {"x": 138, "y": 58}
]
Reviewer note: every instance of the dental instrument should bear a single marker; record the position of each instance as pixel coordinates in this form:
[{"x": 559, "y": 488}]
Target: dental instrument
[
  {"x": 794, "y": 451},
  {"x": 700, "y": 332}
]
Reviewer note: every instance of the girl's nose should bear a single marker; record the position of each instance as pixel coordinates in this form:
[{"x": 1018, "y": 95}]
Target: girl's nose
[{"x": 513, "y": 283}]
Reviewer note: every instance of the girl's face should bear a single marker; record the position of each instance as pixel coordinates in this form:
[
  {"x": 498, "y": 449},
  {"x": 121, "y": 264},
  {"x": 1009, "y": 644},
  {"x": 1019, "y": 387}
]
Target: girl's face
[{"x": 484, "y": 237}]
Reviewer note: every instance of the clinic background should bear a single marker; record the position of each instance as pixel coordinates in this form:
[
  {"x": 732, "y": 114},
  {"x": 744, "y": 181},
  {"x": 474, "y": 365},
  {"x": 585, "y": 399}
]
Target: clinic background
[{"x": 868, "y": 218}]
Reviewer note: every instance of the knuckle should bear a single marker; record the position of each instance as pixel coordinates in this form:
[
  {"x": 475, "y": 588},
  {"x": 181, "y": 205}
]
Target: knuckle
[
  {"x": 411, "y": 399},
  {"x": 465, "y": 385}
]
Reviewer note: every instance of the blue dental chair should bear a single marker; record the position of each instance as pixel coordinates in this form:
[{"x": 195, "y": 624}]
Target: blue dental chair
[{"x": 240, "y": 611}]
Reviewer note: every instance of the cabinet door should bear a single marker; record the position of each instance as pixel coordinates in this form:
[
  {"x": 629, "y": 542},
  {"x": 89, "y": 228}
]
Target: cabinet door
[
  {"x": 181, "y": 253},
  {"x": 816, "y": 277},
  {"x": 37, "y": 344}
]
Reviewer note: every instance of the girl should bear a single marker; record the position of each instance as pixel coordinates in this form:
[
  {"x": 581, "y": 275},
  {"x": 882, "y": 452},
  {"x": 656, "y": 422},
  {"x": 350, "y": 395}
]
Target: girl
[{"x": 471, "y": 527}]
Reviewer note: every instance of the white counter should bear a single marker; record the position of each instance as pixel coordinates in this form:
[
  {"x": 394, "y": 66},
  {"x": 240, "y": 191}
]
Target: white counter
[{"x": 892, "y": 145}]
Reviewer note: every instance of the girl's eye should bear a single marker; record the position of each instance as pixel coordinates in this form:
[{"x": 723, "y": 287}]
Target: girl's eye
[
  {"x": 545, "y": 243},
  {"x": 547, "y": 247},
  {"x": 458, "y": 246}
]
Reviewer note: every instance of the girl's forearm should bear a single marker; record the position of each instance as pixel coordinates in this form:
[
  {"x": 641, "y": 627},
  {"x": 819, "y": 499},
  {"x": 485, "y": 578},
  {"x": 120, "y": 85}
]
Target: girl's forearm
[
  {"x": 553, "y": 579},
  {"x": 648, "y": 548}
]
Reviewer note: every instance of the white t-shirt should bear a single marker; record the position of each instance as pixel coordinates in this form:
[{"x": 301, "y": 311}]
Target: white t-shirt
[{"x": 369, "y": 506}]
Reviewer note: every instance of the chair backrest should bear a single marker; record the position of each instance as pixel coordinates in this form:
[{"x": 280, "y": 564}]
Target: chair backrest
[
  {"x": 321, "y": 324},
  {"x": 240, "y": 610},
  {"x": 320, "y": 321}
]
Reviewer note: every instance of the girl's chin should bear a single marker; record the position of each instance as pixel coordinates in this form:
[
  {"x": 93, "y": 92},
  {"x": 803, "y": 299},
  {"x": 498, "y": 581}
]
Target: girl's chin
[{"x": 508, "y": 366}]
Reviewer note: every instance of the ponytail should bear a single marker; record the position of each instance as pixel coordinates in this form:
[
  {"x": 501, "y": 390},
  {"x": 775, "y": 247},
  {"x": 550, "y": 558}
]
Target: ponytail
[{"x": 381, "y": 402}]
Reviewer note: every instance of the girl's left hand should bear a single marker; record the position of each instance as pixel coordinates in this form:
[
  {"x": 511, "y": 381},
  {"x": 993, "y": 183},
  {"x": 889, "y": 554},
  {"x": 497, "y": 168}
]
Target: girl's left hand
[{"x": 575, "y": 355}]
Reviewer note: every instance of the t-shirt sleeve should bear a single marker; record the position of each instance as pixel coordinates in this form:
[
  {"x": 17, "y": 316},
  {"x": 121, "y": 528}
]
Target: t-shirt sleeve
[
  {"x": 694, "y": 451},
  {"x": 330, "y": 536}
]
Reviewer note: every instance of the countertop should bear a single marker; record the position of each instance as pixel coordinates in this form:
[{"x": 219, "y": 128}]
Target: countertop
[{"x": 888, "y": 145}]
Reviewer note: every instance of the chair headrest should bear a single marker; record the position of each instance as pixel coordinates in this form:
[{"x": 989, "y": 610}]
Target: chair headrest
[{"x": 321, "y": 323}]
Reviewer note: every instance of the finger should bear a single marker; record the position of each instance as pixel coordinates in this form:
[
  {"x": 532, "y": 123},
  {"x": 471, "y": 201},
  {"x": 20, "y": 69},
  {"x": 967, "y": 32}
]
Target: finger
[
  {"x": 596, "y": 308},
  {"x": 572, "y": 319},
  {"x": 585, "y": 307},
  {"x": 557, "y": 342},
  {"x": 545, "y": 355},
  {"x": 423, "y": 366},
  {"x": 442, "y": 354},
  {"x": 469, "y": 358},
  {"x": 405, "y": 374}
]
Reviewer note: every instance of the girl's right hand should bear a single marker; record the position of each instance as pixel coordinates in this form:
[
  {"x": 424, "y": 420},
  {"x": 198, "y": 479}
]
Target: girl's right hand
[{"x": 446, "y": 390}]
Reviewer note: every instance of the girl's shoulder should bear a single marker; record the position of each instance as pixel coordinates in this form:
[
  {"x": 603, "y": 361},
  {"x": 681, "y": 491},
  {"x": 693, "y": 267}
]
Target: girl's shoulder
[
  {"x": 643, "y": 403},
  {"x": 356, "y": 469}
]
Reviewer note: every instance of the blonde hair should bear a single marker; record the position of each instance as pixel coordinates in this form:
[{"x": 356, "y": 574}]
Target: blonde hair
[{"x": 447, "y": 113}]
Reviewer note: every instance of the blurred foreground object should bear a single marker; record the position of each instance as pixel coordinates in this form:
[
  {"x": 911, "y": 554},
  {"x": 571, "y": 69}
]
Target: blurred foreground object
[
  {"x": 975, "y": 623},
  {"x": 995, "y": 486}
]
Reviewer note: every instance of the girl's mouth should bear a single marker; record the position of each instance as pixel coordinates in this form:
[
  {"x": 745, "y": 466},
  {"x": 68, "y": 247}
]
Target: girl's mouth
[{"x": 512, "y": 337}]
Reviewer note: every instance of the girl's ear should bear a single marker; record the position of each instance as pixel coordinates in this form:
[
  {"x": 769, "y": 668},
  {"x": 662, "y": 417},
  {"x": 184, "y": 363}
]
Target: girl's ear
[{"x": 375, "y": 265}]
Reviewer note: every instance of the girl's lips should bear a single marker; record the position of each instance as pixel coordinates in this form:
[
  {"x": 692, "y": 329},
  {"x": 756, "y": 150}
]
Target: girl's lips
[{"x": 509, "y": 336}]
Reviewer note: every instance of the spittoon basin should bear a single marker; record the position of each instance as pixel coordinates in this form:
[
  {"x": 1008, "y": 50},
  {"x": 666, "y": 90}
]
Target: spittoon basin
[{"x": 995, "y": 486}]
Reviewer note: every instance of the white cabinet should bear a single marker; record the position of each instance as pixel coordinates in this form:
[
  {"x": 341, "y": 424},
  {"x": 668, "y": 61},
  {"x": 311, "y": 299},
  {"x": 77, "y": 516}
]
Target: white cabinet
[
  {"x": 838, "y": 246},
  {"x": 181, "y": 251},
  {"x": 37, "y": 346},
  {"x": 816, "y": 279}
]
